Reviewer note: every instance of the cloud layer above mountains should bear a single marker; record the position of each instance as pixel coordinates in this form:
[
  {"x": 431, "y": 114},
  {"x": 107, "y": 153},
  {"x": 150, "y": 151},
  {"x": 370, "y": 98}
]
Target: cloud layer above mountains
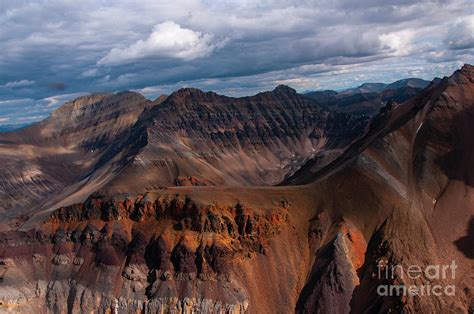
[{"x": 58, "y": 48}]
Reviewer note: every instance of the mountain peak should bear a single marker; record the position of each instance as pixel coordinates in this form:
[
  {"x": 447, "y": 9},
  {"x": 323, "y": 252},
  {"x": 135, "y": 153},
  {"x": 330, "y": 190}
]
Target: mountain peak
[
  {"x": 467, "y": 70},
  {"x": 79, "y": 102},
  {"x": 408, "y": 82},
  {"x": 189, "y": 90},
  {"x": 284, "y": 89},
  {"x": 467, "y": 67},
  {"x": 94, "y": 102},
  {"x": 190, "y": 93}
]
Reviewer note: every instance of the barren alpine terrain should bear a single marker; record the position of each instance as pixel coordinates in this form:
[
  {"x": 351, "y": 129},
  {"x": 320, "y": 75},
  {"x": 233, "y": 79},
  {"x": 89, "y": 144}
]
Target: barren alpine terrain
[{"x": 274, "y": 203}]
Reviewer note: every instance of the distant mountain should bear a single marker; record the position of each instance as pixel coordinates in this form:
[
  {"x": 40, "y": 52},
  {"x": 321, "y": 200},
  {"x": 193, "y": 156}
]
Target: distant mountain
[
  {"x": 366, "y": 88},
  {"x": 368, "y": 98},
  {"x": 12, "y": 127},
  {"x": 61, "y": 150},
  {"x": 409, "y": 82}
]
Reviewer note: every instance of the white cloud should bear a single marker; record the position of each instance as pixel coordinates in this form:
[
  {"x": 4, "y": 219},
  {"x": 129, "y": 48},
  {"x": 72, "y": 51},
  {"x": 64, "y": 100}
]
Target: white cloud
[
  {"x": 262, "y": 43},
  {"x": 3, "y": 120},
  {"x": 55, "y": 101},
  {"x": 168, "y": 40},
  {"x": 398, "y": 43},
  {"x": 90, "y": 73},
  {"x": 31, "y": 118},
  {"x": 19, "y": 83}
]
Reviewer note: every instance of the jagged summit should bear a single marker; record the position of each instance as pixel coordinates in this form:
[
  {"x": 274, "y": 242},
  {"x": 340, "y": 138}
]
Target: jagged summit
[
  {"x": 284, "y": 89},
  {"x": 194, "y": 94},
  {"x": 467, "y": 67},
  {"x": 188, "y": 91},
  {"x": 91, "y": 104},
  {"x": 438, "y": 116},
  {"x": 198, "y": 134}
]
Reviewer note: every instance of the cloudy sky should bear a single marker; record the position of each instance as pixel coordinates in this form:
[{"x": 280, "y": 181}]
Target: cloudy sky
[{"x": 53, "y": 51}]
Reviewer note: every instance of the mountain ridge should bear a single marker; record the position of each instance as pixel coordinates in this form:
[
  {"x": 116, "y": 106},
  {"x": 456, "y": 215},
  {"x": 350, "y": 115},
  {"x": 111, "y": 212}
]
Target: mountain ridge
[
  {"x": 368, "y": 98},
  {"x": 190, "y": 131}
]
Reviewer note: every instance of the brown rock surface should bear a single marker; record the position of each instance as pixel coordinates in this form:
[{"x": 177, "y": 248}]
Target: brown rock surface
[{"x": 402, "y": 194}]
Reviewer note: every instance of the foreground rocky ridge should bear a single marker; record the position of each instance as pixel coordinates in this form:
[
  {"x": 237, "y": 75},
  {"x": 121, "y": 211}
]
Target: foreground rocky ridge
[
  {"x": 158, "y": 252},
  {"x": 420, "y": 204}
]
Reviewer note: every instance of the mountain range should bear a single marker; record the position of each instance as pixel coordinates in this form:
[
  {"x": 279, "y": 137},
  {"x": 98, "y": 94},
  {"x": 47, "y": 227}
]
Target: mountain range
[
  {"x": 278, "y": 202},
  {"x": 368, "y": 98}
]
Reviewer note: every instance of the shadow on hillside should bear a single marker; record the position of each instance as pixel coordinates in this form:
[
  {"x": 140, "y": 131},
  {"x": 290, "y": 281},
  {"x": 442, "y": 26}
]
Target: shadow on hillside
[{"x": 466, "y": 244}]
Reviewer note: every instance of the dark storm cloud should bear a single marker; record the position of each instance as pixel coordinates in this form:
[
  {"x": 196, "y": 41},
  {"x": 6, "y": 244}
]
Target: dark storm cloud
[{"x": 235, "y": 47}]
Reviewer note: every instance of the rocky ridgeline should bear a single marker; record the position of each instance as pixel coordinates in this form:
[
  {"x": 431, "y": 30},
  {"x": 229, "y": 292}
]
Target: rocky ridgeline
[
  {"x": 140, "y": 246},
  {"x": 236, "y": 221},
  {"x": 251, "y": 121}
]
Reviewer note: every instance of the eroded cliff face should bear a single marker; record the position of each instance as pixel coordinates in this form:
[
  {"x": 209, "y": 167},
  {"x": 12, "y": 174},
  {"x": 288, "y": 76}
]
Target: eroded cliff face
[
  {"x": 173, "y": 250},
  {"x": 434, "y": 206},
  {"x": 153, "y": 253}
]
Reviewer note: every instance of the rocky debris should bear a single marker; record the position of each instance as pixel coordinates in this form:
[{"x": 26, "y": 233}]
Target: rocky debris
[
  {"x": 61, "y": 260},
  {"x": 134, "y": 273},
  {"x": 190, "y": 181},
  {"x": 192, "y": 305}
]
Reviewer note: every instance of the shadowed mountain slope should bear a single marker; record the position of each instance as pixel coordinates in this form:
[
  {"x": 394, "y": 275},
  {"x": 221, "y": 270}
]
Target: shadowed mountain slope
[
  {"x": 210, "y": 139},
  {"x": 41, "y": 160},
  {"x": 407, "y": 186}
]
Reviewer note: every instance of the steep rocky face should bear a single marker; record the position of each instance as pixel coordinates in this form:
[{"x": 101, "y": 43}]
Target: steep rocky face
[
  {"x": 417, "y": 202},
  {"x": 255, "y": 140},
  {"x": 338, "y": 254},
  {"x": 41, "y": 160},
  {"x": 159, "y": 252}
]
